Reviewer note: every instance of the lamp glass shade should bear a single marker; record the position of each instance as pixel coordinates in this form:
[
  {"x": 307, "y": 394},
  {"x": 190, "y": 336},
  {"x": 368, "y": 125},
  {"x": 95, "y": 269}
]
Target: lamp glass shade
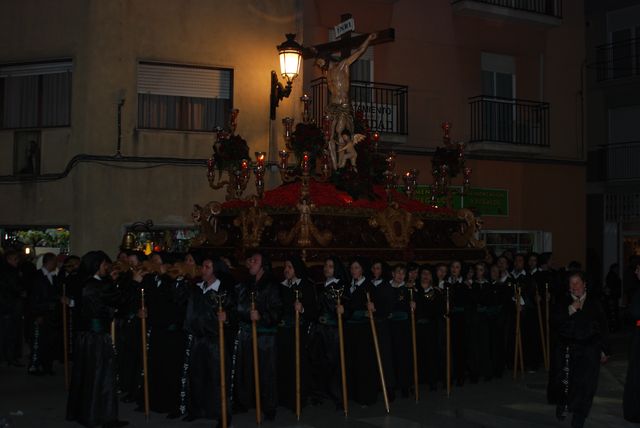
[{"x": 290, "y": 63}]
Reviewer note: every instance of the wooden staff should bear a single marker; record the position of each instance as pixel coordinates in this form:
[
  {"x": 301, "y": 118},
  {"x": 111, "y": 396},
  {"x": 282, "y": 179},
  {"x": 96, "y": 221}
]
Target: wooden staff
[
  {"x": 112, "y": 329},
  {"x": 145, "y": 372},
  {"x": 415, "y": 347},
  {"x": 542, "y": 339},
  {"x": 223, "y": 377},
  {"x": 546, "y": 303},
  {"x": 376, "y": 346},
  {"x": 343, "y": 365},
  {"x": 517, "y": 352},
  {"x": 256, "y": 368},
  {"x": 65, "y": 336},
  {"x": 448, "y": 321},
  {"x": 297, "y": 333}
]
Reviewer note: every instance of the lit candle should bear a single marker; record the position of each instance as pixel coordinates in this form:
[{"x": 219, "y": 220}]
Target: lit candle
[
  {"x": 284, "y": 158},
  {"x": 260, "y": 157},
  {"x": 305, "y": 161}
]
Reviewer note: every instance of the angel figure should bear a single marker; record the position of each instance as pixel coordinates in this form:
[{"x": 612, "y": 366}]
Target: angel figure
[{"x": 347, "y": 148}]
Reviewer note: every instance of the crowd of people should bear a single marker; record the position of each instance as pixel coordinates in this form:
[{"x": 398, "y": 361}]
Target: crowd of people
[{"x": 464, "y": 317}]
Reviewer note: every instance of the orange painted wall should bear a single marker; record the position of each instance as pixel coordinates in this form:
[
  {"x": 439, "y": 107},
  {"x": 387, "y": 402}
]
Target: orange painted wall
[{"x": 542, "y": 196}]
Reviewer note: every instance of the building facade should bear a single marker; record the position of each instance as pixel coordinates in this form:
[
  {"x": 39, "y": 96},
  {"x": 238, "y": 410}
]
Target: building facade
[
  {"x": 509, "y": 77},
  {"x": 613, "y": 79}
]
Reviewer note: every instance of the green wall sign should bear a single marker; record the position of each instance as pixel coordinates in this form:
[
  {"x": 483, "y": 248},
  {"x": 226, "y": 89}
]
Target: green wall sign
[{"x": 485, "y": 202}]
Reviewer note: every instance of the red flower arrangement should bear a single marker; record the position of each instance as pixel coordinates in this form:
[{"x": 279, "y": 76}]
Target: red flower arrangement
[{"x": 327, "y": 195}]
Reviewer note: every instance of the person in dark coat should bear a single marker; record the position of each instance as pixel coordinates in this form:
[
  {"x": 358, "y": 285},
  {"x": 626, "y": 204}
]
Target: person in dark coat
[
  {"x": 324, "y": 346},
  {"x": 430, "y": 330},
  {"x": 400, "y": 329},
  {"x": 268, "y": 310},
  {"x": 201, "y": 321},
  {"x": 631, "y": 398},
  {"x": 92, "y": 399},
  {"x": 44, "y": 304},
  {"x": 165, "y": 299},
  {"x": 362, "y": 370},
  {"x": 11, "y": 309},
  {"x": 298, "y": 294},
  {"x": 581, "y": 346}
]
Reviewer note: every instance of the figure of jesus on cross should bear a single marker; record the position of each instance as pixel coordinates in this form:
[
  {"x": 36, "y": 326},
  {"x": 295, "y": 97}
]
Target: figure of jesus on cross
[{"x": 339, "y": 107}]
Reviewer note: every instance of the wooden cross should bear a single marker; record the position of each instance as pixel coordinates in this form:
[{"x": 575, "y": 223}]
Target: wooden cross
[{"x": 347, "y": 43}]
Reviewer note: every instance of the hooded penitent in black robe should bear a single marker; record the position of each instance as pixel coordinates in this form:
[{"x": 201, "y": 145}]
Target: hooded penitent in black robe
[
  {"x": 631, "y": 402},
  {"x": 581, "y": 340},
  {"x": 286, "y": 341},
  {"x": 201, "y": 322},
  {"x": 93, "y": 392},
  {"x": 269, "y": 305},
  {"x": 399, "y": 337}
]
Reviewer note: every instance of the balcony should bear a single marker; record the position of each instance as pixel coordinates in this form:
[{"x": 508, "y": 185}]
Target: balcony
[
  {"x": 618, "y": 60},
  {"x": 614, "y": 162},
  {"x": 383, "y": 105},
  {"x": 504, "y": 124},
  {"x": 542, "y": 12}
]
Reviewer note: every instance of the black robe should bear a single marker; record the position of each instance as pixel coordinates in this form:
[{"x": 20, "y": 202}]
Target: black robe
[
  {"x": 400, "y": 338},
  {"x": 581, "y": 339},
  {"x": 362, "y": 370},
  {"x": 45, "y": 311},
  {"x": 269, "y": 305},
  {"x": 201, "y": 322},
  {"x": 165, "y": 302},
  {"x": 460, "y": 301},
  {"x": 324, "y": 344},
  {"x": 129, "y": 339},
  {"x": 11, "y": 312},
  {"x": 478, "y": 332},
  {"x": 496, "y": 298},
  {"x": 286, "y": 342},
  {"x": 92, "y": 397},
  {"x": 430, "y": 335},
  {"x": 631, "y": 401}
]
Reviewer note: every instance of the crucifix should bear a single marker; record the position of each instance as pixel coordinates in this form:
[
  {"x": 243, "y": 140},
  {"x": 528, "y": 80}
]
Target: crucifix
[{"x": 337, "y": 72}]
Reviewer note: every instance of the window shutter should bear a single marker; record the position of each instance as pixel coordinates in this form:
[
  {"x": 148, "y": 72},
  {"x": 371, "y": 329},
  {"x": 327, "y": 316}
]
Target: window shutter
[{"x": 184, "y": 81}]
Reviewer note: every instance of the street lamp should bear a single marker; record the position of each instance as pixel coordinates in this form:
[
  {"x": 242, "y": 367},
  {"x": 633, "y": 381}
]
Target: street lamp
[{"x": 290, "y": 53}]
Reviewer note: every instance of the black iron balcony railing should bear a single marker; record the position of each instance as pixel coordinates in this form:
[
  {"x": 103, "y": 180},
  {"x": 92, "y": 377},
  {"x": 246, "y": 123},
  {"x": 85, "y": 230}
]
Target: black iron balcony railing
[
  {"x": 619, "y": 59},
  {"x": 383, "y": 105},
  {"x": 619, "y": 161},
  {"x": 543, "y": 7},
  {"x": 512, "y": 121}
]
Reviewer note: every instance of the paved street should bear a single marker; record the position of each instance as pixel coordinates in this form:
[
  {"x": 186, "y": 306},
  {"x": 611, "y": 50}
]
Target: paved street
[{"x": 500, "y": 404}]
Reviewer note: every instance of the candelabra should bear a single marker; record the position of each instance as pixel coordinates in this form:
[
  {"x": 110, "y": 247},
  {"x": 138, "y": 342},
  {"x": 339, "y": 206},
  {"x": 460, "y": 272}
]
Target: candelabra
[
  {"x": 410, "y": 182},
  {"x": 259, "y": 170},
  {"x": 448, "y": 162},
  {"x": 390, "y": 177}
]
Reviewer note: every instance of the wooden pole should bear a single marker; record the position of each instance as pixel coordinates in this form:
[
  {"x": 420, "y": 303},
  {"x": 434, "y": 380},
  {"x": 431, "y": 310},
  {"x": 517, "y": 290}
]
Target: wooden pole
[
  {"x": 112, "y": 329},
  {"x": 145, "y": 371},
  {"x": 540, "y": 326},
  {"x": 516, "y": 331},
  {"x": 297, "y": 344},
  {"x": 256, "y": 367},
  {"x": 448, "y": 320},
  {"x": 546, "y": 302},
  {"x": 376, "y": 346},
  {"x": 65, "y": 336},
  {"x": 223, "y": 377},
  {"x": 343, "y": 365},
  {"x": 415, "y": 347}
]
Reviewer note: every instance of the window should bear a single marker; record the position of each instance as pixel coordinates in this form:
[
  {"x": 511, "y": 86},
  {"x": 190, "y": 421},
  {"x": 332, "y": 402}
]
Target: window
[
  {"x": 35, "y": 95},
  {"x": 623, "y": 27},
  {"x": 183, "y": 97},
  {"x": 518, "y": 241}
]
